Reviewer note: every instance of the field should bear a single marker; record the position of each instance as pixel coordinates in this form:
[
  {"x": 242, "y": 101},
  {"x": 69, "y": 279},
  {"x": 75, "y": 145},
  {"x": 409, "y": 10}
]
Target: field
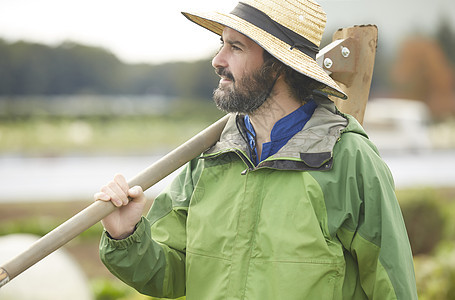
[
  {"x": 429, "y": 216},
  {"x": 53, "y": 135},
  {"x": 43, "y": 134},
  {"x": 40, "y": 218},
  {"x": 429, "y": 213}
]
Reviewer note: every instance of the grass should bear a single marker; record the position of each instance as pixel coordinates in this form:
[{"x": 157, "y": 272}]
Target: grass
[
  {"x": 39, "y": 218},
  {"x": 435, "y": 270},
  {"x": 46, "y": 135},
  {"x": 51, "y": 135}
]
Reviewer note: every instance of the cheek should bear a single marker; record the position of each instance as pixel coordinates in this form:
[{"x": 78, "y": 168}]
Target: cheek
[
  {"x": 251, "y": 67},
  {"x": 255, "y": 61},
  {"x": 245, "y": 65}
]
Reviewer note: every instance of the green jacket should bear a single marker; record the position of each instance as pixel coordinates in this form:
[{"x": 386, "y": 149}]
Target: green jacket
[{"x": 317, "y": 220}]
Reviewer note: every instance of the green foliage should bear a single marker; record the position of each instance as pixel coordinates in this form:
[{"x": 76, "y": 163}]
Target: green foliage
[
  {"x": 38, "y": 226},
  {"x": 432, "y": 208},
  {"x": 49, "y": 135},
  {"x": 435, "y": 275},
  {"x": 422, "y": 213},
  {"x": 70, "y": 68},
  {"x": 111, "y": 290},
  {"x": 429, "y": 215},
  {"x": 107, "y": 289},
  {"x": 41, "y": 225},
  {"x": 28, "y": 68},
  {"x": 445, "y": 36}
]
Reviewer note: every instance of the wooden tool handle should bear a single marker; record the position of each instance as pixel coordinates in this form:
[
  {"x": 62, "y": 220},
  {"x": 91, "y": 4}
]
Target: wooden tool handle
[
  {"x": 4, "y": 278},
  {"x": 363, "y": 41},
  {"x": 353, "y": 70},
  {"x": 100, "y": 209}
]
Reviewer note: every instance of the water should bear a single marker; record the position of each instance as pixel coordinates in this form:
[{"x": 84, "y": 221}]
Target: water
[
  {"x": 78, "y": 178},
  {"x": 67, "y": 178},
  {"x": 426, "y": 168}
]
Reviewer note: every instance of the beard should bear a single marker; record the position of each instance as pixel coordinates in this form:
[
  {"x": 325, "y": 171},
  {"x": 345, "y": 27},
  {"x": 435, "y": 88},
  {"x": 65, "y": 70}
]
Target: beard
[{"x": 246, "y": 95}]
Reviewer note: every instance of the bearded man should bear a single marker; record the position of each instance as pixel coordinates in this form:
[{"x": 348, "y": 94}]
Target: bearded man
[{"x": 293, "y": 202}]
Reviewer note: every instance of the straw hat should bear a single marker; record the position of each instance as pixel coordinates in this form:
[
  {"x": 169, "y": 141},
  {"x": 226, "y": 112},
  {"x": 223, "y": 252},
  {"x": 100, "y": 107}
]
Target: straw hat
[{"x": 290, "y": 30}]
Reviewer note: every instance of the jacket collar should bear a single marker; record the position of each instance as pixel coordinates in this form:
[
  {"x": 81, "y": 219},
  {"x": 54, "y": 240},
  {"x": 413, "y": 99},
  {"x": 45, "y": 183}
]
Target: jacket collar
[{"x": 311, "y": 148}]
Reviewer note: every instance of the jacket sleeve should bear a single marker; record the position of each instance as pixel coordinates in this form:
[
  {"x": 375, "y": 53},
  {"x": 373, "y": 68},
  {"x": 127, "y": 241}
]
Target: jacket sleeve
[
  {"x": 152, "y": 259},
  {"x": 373, "y": 231}
]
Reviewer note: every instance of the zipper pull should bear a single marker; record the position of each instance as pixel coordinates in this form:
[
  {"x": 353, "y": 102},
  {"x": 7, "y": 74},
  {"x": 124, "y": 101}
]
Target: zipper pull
[{"x": 247, "y": 170}]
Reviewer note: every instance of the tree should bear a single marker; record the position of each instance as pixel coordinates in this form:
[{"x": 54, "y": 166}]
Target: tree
[
  {"x": 71, "y": 68},
  {"x": 423, "y": 72},
  {"x": 445, "y": 36}
]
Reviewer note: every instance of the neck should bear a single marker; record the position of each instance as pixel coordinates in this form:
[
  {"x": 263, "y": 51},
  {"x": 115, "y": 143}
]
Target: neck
[{"x": 279, "y": 104}]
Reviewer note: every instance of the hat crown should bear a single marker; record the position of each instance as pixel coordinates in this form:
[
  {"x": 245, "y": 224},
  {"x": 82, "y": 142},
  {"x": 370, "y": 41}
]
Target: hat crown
[
  {"x": 290, "y": 30},
  {"x": 304, "y": 17}
]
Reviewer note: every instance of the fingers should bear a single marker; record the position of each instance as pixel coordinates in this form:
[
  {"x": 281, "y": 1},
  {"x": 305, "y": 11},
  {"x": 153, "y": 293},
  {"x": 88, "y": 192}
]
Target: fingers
[
  {"x": 115, "y": 191},
  {"x": 119, "y": 192},
  {"x": 120, "y": 180},
  {"x": 136, "y": 193},
  {"x": 102, "y": 196}
]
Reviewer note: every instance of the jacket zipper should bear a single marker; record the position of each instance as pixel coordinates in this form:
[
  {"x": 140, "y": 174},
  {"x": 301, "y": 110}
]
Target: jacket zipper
[{"x": 246, "y": 160}]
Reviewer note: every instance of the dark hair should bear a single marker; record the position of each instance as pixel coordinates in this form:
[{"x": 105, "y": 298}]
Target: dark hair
[{"x": 300, "y": 86}]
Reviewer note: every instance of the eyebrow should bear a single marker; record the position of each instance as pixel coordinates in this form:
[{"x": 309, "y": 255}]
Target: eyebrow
[{"x": 232, "y": 42}]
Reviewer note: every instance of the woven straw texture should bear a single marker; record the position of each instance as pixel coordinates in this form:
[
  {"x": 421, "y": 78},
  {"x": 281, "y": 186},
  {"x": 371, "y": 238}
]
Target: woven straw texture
[{"x": 304, "y": 17}]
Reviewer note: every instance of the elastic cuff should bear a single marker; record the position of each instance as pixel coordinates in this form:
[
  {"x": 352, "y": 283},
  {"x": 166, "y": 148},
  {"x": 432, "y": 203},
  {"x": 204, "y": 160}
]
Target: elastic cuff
[{"x": 134, "y": 237}]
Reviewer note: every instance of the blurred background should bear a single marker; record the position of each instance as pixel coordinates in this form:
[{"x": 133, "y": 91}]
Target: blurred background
[{"x": 93, "y": 88}]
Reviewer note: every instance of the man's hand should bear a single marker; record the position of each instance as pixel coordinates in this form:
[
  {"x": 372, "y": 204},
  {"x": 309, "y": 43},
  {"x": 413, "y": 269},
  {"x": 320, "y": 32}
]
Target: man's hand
[{"x": 122, "y": 222}]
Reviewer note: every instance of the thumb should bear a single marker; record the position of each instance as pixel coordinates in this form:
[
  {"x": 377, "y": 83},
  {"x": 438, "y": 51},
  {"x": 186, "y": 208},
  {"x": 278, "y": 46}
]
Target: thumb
[{"x": 136, "y": 193}]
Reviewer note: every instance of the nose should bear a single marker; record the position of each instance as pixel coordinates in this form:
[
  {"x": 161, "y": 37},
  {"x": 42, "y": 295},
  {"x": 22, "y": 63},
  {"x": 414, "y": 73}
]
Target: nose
[{"x": 219, "y": 60}]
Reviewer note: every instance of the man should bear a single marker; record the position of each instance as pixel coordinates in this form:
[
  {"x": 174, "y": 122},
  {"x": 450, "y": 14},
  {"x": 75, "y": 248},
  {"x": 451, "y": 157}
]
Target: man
[{"x": 293, "y": 202}]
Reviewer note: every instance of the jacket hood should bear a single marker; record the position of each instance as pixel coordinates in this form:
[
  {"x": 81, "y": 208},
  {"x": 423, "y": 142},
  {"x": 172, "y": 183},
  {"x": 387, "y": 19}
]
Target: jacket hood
[{"x": 319, "y": 135}]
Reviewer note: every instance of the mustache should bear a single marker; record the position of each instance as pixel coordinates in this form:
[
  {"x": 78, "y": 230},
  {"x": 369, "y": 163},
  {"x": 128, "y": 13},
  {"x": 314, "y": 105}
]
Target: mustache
[{"x": 223, "y": 72}]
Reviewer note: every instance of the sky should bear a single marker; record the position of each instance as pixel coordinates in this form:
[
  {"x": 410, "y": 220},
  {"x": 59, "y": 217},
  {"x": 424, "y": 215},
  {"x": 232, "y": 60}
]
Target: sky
[{"x": 145, "y": 31}]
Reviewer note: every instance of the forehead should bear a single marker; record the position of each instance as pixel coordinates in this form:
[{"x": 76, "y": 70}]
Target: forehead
[{"x": 231, "y": 35}]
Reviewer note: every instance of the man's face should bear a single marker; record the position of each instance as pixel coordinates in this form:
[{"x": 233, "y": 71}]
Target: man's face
[{"x": 244, "y": 85}]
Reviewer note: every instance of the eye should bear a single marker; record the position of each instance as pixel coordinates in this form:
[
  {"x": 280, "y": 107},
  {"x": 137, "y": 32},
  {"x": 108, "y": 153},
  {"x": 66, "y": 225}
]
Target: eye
[
  {"x": 235, "y": 48},
  {"x": 233, "y": 45},
  {"x": 221, "y": 46}
]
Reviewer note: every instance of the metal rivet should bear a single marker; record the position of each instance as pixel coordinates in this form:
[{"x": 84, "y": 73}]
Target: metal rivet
[
  {"x": 345, "y": 52},
  {"x": 328, "y": 63}
]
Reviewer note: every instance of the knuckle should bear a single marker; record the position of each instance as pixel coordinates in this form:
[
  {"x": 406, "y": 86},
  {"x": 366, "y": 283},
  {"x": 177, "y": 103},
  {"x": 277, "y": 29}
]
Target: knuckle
[
  {"x": 112, "y": 184},
  {"x": 119, "y": 178}
]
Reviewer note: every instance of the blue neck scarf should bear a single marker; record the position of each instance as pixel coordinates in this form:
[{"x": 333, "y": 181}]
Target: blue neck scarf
[{"x": 283, "y": 130}]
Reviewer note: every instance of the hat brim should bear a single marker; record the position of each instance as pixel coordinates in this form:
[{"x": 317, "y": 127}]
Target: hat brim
[{"x": 294, "y": 58}]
